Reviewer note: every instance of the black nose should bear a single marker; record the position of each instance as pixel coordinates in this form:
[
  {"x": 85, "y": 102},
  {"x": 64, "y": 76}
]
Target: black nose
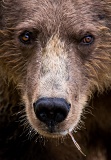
[{"x": 51, "y": 110}]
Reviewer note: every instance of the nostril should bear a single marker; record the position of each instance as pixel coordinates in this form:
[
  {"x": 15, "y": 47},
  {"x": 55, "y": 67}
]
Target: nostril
[
  {"x": 42, "y": 116},
  {"x": 41, "y": 112},
  {"x": 59, "y": 117},
  {"x": 54, "y": 110}
]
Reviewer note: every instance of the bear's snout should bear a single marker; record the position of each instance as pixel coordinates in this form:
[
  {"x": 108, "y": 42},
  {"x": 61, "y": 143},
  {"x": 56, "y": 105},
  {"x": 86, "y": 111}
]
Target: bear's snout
[{"x": 51, "y": 111}]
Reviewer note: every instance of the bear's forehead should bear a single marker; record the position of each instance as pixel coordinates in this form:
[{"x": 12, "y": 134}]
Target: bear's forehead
[
  {"x": 62, "y": 10},
  {"x": 57, "y": 9},
  {"x": 54, "y": 13},
  {"x": 51, "y": 14}
]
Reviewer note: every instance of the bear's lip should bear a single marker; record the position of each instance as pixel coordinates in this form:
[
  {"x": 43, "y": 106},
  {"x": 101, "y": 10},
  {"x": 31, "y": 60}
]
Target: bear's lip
[{"x": 55, "y": 134}]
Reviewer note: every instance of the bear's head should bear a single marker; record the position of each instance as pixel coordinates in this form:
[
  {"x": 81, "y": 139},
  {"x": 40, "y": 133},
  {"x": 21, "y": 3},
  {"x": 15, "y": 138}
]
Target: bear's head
[{"x": 57, "y": 53}]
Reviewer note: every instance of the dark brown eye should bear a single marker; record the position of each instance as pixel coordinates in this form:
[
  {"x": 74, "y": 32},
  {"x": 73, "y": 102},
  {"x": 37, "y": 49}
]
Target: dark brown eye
[
  {"x": 87, "y": 39},
  {"x": 26, "y": 37}
]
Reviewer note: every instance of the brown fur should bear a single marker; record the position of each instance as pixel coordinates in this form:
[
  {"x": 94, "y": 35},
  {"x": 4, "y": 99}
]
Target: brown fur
[{"x": 55, "y": 64}]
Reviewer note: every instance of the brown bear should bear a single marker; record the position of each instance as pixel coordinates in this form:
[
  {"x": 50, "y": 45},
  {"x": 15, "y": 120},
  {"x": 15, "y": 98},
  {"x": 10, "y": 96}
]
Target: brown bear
[{"x": 55, "y": 57}]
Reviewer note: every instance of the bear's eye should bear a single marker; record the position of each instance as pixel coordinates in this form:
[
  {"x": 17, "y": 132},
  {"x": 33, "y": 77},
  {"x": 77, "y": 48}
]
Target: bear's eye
[
  {"x": 26, "y": 37},
  {"x": 87, "y": 40}
]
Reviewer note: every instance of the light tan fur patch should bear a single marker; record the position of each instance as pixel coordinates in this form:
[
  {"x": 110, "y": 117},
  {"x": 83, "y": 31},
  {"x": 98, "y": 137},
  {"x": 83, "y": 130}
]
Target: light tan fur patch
[{"x": 54, "y": 69}]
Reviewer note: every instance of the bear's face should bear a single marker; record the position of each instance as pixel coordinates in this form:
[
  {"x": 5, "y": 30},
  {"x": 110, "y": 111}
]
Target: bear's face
[{"x": 57, "y": 53}]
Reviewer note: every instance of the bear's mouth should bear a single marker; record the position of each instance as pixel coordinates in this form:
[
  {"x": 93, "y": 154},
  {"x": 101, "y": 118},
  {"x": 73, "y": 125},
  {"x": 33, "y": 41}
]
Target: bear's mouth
[{"x": 52, "y": 132}]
